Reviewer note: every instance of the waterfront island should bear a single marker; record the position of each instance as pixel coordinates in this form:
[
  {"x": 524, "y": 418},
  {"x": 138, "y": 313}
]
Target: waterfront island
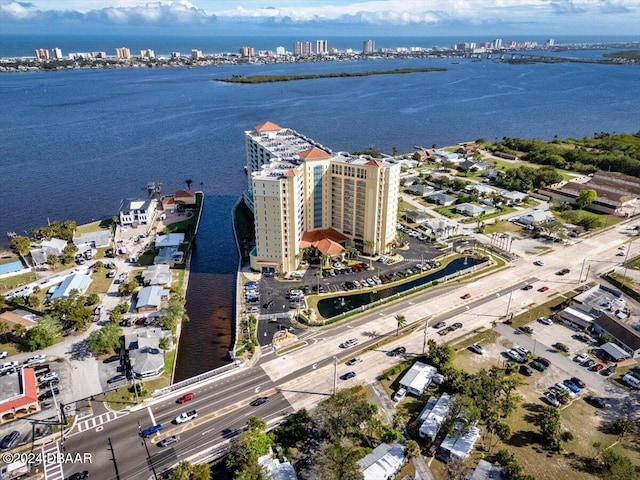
[{"x": 289, "y": 78}]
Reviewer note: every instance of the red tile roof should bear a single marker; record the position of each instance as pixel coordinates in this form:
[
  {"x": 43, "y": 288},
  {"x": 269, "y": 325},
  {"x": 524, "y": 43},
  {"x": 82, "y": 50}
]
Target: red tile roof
[
  {"x": 377, "y": 163},
  {"x": 29, "y": 394},
  {"x": 314, "y": 153},
  {"x": 327, "y": 241},
  {"x": 267, "y": 127},
  {"x": 291, "y": 172}
]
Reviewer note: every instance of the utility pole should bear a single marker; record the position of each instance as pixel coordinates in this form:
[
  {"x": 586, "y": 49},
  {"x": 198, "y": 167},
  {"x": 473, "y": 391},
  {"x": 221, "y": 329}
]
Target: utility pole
[
  {"x": 626, "y": 264},
  {"x": 581, "y": 270},
  {"x": 113, "y": 458},
  {"x": 144, "y": 442},
  {"x": 509, "y": 304},
  {"x": 424, "y": 340},
  {"x": 335, "y": 374}
]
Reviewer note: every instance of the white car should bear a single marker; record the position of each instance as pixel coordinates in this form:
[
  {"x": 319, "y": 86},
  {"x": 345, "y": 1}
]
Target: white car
[
  {"x": 545, "y": 321},
  {"x": 515, "y": 356},
  {"x": 521, "y": 350},
  {"x": 566, "y": 389},
  {"x": 35, "y": 359},
  {"x": 400, "y": 394},
  {"x": 539, "y": 263},
  {"x": 551, "y": 398},
  {"x": 3, "y": 355},
  {"x": 353, "y": 361},
  {"x": 48, "y": 377},
  {"x": 477, "y": 349},
  {"x": 583, "y": 357}
]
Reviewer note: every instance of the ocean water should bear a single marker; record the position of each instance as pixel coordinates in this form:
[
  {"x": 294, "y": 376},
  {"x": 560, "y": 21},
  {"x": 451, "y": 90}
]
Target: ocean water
[{"x": 74, "y": 143}]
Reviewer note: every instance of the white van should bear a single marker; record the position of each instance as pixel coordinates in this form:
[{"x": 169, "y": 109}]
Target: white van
[{"x": 400, "y": 394}]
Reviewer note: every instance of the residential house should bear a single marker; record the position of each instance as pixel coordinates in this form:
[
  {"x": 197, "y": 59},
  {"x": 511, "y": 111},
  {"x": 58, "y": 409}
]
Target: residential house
[
  {"x": 409, "y": 180},
  {"x": 480, "y": 189},
  {"x": 441, "y": 198},
  {"x": 137, "y": 212},
  {"x": 157, "y": 275},
  {"x": 434, "y": 413},
  {"x": 277, "y": 469},
  {"x": 459, "y": 444},
  {"x": 487, "y": 471},
  {"x": 20, "y": 317},
  {"x": 473, "y": 210},
  {"x": 420, "y": 190},
  {"x": 143, "y": 347},
  {"x": 424, "y": 155},
  {"x": 168, "y": 252},
  {"x": 418, "y": 378},
  {"x": 169, "y": 204},
  {"x": 441, "y": 228},
  {"x": 76, "y": 281},
  {"x": 513, "y": 196},
  {"x": 383, "y": 462},
  {"x": 416, "y": 216},
  {"x": 150, "y": 298},
  {"x": 622, "y": 335},
  {"x": 185, "y": 197},
  {"x": 97, "y": 239},
  {"x": 55, "y": 246},
  {"x": 444, "y": 156}
]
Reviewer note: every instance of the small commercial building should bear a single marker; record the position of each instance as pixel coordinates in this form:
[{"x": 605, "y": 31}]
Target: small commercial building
[
  {"x": 18, "y": 394},
  {"x": 383, "y": 463},
  {"x": 418, "y": 378},
  {"x": 625, "y": 339}
]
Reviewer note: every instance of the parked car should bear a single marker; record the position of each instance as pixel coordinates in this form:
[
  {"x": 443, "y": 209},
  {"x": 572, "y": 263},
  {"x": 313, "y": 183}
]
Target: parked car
[
  {"x": 595, "y": 401},
  {"x": 353, "y": 361},
  {"x": 526, "y": 371},
  {"x": 539, "y": 263},
  {"x": 169, "y": 440},
  {"x": 111, "y": 359},
  {"x": 582, "y": 357},
  {"x": 551, "y": 398},
  {"x": 466, "y": 296},
  {"x": 186, "y": 397},
  {"x": 476, "y": 349},
  {"x": 3, "y": 355},
  {"x": 597, "y": 367},
  {"x": 456, "y": 326},
  {"x": 543, "y": 289},
  {"x": 147, "y": 432},
  {"x": 48, "y": 393},
  {"x": 513, "y": 355},
  {"x": 527, "y": 288},
  {"x": 564, "y": 387},
  {"x": 544, "y": 361},
  {"x": 186, "y": 417},
  {"x": 545, "y": 321},
  {"x": 49, "y": 376},
  {"x": 400, "y": 394},
  {"x": 35, "y": 359},
  {"x": 440, "y": 325},
  {"x": 527, "y": 329},
  {"x": 578, "y": 382},
  {"x": 259, "y": 401},
  {"x": 537, "y": 365},
  {"x": 588, "y": 364},
  {"x": 116, "y": 379},
  {"x": 572, "y": 386},
  {"x": 348, "y": 376},
  {"x": 564, "y": 271},
  {"x": 521, "y": 350}
]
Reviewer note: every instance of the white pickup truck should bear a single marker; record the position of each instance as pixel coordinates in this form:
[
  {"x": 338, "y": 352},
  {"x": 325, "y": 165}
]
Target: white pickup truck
[{"x": 186, "y": 416}]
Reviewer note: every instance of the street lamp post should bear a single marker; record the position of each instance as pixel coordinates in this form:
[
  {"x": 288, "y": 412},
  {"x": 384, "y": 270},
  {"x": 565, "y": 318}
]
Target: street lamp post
[
  {"x": 335, "y": 374},
  {"x": 424, "y": 340},
  {"x": 144, "y": 442},
  {"x": 509, "y": 303}
]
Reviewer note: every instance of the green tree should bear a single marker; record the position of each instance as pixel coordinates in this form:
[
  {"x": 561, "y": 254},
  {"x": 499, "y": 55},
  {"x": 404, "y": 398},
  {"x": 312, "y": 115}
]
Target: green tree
[
  {"x": 72, "y": 311},
  {"x": 621, "y": 426},
  {"x": 127, "y": 288},
  {"x": 182, "y": 471},
  {"x": 548, "y": 423},
  {"x": 105, "y": 340},
  {"x": 617, "y": 466},
  {"x": 413, "y": 449},
  {"x": 201, "y": 471},
  {"x": 247, "y": 447},
  {"x": 4, "y": 329},
  {"x": 440, "y": 356},
  {"x": 69, "y": 254},
  {"x": 391, "y": 435},
  {"x": 53, "y": 260},
  {"x": 33, "y": 301},
  {"x": 19, "y": 330},
  {"x": 92, "y": 299},
  {"x": 164, "y": 344},
  {"x": 586, "y": 197},
  {"x": 21, "y": 244},
  {"x": 43, "y": 334},
  {"x": 294, "y": 431},
  {"x": 336, "y": 460},
  {"x": 188, "y": 181},
  {"x": 347, "y": 412},
  {"x": 401, "y": 321},
  {"x": 172, "y": 314}
]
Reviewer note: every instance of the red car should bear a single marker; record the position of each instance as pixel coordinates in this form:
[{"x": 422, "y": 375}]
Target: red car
[
  {"x": 543, "y": 289},
  {"x": 465, "y": 296},
  {"x": 544, "y": 361},
  {"x": 597, "y": 367},
  {"x": 186, "y": 397}
]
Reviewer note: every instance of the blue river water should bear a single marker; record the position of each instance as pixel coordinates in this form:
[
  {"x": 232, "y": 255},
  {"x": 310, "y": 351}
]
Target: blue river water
[{"x": 74, "y": 143}]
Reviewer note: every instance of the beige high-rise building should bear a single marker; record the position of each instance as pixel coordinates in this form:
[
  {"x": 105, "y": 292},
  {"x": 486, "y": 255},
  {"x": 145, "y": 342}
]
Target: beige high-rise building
[
  {"x": 42, "y": 54},
  {"x": 302, "y": 195},
  {"x": 123, "y": 53}
]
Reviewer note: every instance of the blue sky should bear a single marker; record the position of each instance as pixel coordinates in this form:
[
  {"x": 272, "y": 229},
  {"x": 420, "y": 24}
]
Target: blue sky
[{"x": 327, "y": 18}]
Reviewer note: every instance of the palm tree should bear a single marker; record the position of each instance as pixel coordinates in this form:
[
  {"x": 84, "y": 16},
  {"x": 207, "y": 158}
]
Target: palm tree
[
  {"x": 401, "y": 321},
  {"x": 4, "y": 329},
  {"x": 19, "y": 330},
  {"x": 164, "y": 344},
  {"x": 188, "y": 181}
]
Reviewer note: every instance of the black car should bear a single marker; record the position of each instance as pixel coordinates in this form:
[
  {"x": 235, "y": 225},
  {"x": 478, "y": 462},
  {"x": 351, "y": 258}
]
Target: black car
[
  {"x": 440, "y": 325},
  {"x": 456, "y": 325},
  {"x": 79, "y": 475},
  {"x": 112, "y": 358},
  {"x": 10, "y": 440},
  {"x": 396, "y": 351},
  {"x": 259, "y": 401},
  {"x": 595, "y": 401},
  {"x": 48, "y": 394},
  {"x": 524, "y": 370},
  {"x": 527, "y": 287},
  {"x": 49, "y": 383}
]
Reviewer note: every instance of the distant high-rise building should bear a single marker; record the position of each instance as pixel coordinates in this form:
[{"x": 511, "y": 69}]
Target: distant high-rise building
[
  {"x": 196, "y": 54},
  {"x": 550, "y": 43},
  {"x": 147, "y": 53},
  {"x": 57, "y": 53},
  {"x": 302, "y": 48},
  {"x": 246, "y": 51},
  {"x": 368, "y": 46},
  {"x": 176, "y": 55},
  {"x": 497, "y": 43},
  {"x": 101, "y": 55},
  {"x": 280, "y": 51},
  {"x": 42, "y": 54},
  {"x": 123, "y": 53},
  {"x": 321, "y": 47}
]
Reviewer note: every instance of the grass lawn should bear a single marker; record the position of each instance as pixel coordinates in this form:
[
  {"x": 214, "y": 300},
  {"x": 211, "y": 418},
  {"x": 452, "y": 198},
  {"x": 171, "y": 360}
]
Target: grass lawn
[
  {"x": 8, "y": 257},
  {"x": 178, "y": 278},
  {"x": 9, "y": 283},
  {"x": 502, "y": 227},
  {"x": 99, "y": 282},
  {"x": 94, "y": 227},
  {"x": 506, "y": 164},
  {"x": 545, "y": 310},
  {"x": 573, "y": 216},
  {"x": 449, "y": 212},
  {"x": 482, "y": 218},
  {"x": 122, "y": 398},
  {"x": 635, "y": 263}
]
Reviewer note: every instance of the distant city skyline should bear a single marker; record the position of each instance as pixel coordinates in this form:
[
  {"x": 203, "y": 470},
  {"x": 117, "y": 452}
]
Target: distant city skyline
[{"x": 323, "y": 19}]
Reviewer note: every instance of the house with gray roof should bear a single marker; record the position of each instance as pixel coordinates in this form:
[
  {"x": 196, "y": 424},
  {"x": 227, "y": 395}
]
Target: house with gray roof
[
  {"x": 383, "y": 462},
  {"x": 536, "y": 217},
  {"x": 623, "y": 336},
  {"x": 76, "y": 281},
  {"x": 147, "y": 358},
  {"x": 416, "y": 216},
  {"x": 513, "y": 196},
  {"x": 473, "y": 210},
  {"x": 487, "y": 471},
  {"x": 157, "y": 275},
  {"x": 136, "y": 212},
  {"x": 459, "y": 444},
  {"x": 420, "y": 190},
  {"x": 150, "y": 298},
  {"x": 441, "y": 198},
  {"x": 97, "y": 239}
]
